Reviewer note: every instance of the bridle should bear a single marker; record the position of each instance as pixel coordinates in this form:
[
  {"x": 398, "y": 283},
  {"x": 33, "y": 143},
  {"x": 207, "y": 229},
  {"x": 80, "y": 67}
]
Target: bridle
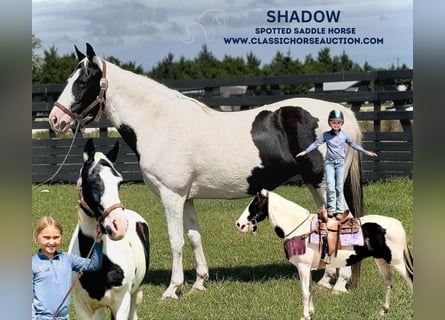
[
  {"x": 100, "y": 100},
  {"x": 85, "y": 207}
]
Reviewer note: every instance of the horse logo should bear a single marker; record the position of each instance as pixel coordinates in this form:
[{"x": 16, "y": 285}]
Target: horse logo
[{"x": 206, "y": 23}]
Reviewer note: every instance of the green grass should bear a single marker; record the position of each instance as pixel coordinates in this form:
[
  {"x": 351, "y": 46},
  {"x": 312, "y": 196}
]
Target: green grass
[{"x": 249, "y": 275}]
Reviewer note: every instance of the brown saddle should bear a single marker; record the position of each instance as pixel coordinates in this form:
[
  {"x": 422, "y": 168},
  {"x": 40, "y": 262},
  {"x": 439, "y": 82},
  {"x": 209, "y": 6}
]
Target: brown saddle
[{"x": 329, "y": 230}]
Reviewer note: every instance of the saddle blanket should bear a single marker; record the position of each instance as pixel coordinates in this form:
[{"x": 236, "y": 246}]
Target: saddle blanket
[
  {"x": 295, "y": 246},
  {"x": 354, "y": 239}
]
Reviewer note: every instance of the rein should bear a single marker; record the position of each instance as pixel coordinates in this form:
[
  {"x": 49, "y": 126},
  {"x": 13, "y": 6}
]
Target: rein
[
  {"x": 305, "y": 235},
  {"x": 260, "y": 206},
  {"x": 100, "y": 100}
]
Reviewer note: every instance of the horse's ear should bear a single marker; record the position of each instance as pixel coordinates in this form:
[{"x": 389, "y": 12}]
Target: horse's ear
[
  {"x": 89, "y": 150},
  {"x": 90, "y": 52},
  {"x": 112, "y": 155},
  {"x": 80, "y": 55}
]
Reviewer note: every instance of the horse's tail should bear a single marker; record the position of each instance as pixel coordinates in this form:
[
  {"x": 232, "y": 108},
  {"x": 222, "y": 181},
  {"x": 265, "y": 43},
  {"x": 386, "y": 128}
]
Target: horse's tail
[
  {"x": 409, "y": 265},
  {"x": 353, "y": 192}
]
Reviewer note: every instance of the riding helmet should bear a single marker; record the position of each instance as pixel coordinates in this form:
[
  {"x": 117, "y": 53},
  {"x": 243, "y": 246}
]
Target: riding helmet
[{"x": 336, "y": 115}]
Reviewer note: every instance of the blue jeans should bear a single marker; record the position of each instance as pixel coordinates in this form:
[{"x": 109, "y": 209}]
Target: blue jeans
[{"x": 334, "y": 172}]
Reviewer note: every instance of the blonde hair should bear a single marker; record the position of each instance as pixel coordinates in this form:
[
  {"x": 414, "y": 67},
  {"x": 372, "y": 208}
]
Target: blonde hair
[{"x": 47, "y": 221}]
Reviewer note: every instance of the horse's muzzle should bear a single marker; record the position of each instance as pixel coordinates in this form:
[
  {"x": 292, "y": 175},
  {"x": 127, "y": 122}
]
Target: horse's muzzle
[
  {"x": 59, "y": 121},
  {"x": 242, "y": 227},
  {"x": 115, "y": 225}
]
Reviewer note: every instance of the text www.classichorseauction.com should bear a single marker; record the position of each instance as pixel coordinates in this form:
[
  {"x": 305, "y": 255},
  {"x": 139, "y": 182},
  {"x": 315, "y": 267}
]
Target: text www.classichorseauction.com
[{"x": 302, "y": 40}]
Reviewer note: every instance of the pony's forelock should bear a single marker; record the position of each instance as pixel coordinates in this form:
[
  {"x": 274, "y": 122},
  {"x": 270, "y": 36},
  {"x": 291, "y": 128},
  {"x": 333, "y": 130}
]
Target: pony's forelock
[{"x": 98, "y": 62}]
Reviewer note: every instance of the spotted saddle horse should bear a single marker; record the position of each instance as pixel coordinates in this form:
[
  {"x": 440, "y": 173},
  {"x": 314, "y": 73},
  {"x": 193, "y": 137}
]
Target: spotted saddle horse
[{"x": 329, "y": 230}]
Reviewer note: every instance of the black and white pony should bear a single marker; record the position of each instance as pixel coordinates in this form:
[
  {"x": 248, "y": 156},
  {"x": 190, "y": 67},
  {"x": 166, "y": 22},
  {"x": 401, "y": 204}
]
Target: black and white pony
[
  {"x": 187, "y": 150},
  {"x": 384, "y": 239},
  {"x": 117, "y": 285}
]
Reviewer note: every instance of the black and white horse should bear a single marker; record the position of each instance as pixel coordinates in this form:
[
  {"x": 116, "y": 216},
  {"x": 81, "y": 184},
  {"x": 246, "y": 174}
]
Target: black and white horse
[
  {"x": 384, "y": 239},
  {"x": 187, "y": 150},
  {"x": 117, "y": 285}
]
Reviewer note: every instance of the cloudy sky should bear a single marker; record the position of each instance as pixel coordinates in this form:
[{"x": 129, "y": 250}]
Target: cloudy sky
[{"x": 146, "y": 31}]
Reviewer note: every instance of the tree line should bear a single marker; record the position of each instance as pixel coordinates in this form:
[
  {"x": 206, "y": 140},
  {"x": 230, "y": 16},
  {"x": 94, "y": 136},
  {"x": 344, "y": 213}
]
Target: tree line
[{"x": 50, "y": 67}]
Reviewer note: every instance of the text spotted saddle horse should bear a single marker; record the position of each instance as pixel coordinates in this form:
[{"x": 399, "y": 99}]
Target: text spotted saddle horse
[{"x": 330, "y": 229}]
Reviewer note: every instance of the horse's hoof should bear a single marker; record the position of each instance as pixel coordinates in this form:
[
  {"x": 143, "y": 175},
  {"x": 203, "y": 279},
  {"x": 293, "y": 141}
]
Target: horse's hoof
[
  {"x": 324, "y": 286},
  {"x": 196, "y": 290},
  {"x": 169, "y": 296},
  {"x": 383, "y": 311},
  {"x": 337, "y": 292}
]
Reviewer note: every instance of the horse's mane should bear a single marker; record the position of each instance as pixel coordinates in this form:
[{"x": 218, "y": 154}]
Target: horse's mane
[
  {"x": 162, "y": 87},
  {"x": 284, "y": 204}
]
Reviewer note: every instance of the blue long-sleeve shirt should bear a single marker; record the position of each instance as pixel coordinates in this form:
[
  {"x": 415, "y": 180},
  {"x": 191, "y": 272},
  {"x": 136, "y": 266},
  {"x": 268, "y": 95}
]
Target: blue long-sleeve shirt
[
  {"x": 51, "y": 279},
  {"x": 335, "y": 144}
]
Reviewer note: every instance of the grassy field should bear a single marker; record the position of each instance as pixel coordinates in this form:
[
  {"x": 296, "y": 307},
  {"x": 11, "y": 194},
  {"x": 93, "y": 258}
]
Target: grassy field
[{"x": 249, "y": 275}]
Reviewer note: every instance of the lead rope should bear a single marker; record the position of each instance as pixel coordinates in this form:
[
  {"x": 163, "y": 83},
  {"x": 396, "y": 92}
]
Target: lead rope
[
  {"x": 63, "y": 162},
  {"x": 74, "y": 282}
]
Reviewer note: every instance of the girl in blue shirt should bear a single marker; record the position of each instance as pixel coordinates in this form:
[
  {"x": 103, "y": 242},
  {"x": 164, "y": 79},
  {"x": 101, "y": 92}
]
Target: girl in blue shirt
[
  {"x": 335, "y": 140},
  {"x": 51, "y": 270}
]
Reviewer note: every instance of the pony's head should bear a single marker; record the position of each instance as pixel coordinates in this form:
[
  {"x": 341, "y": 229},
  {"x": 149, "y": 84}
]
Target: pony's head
[
  {"x": 256, "y": 211},
  {"x": 98, "y": 189},
  {"x": 83, "y": 95},
  {"x": 285, "y": 216}
]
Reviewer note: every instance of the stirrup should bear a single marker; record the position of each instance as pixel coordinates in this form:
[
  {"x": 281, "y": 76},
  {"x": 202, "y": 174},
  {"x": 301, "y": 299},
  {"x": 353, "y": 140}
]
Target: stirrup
[{"x": 342, "y": 216}]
